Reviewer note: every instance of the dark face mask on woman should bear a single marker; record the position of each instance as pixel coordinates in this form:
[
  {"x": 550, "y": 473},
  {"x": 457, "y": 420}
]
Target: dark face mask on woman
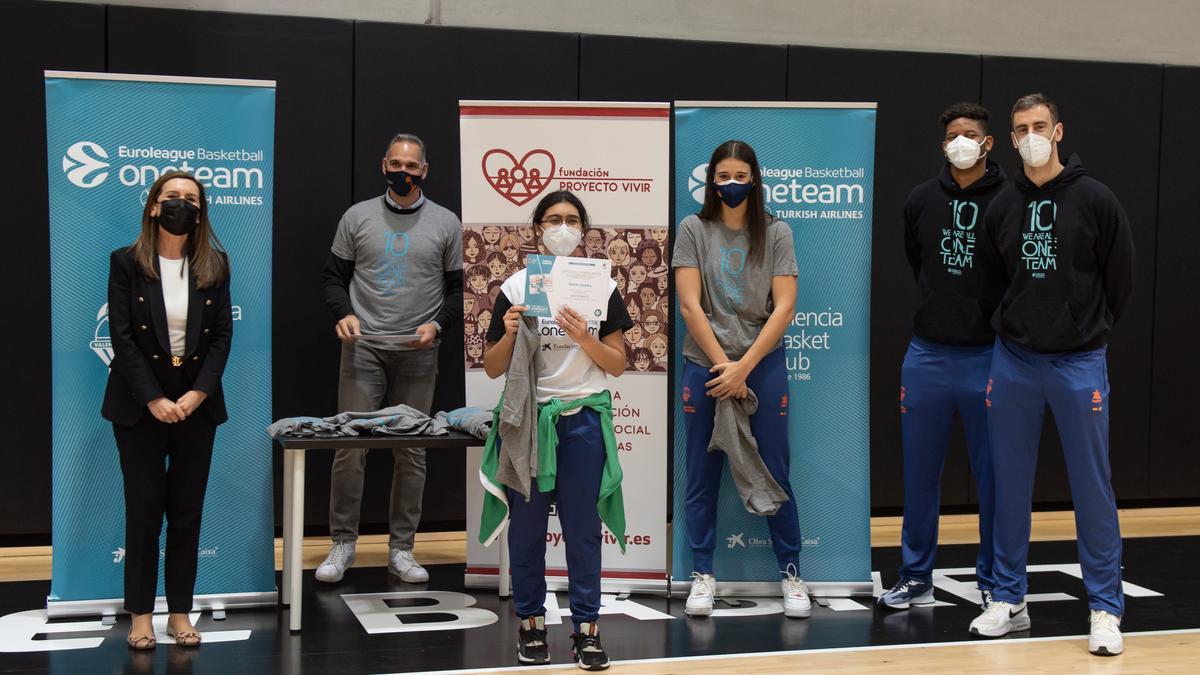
[{"x": 178, "y": 216}]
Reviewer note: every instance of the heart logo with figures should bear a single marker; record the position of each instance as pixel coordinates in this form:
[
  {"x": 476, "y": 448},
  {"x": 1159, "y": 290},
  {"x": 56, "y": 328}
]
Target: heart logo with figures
[{"x": 518, "y": 181}]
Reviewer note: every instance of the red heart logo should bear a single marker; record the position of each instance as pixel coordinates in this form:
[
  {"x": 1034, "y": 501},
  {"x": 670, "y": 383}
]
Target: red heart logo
[{"x": 518, "y": 181}]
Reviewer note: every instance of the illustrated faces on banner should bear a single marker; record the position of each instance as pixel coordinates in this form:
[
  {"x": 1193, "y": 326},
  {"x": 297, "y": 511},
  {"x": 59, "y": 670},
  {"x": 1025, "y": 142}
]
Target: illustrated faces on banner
[{"x": 492, "y": 253}]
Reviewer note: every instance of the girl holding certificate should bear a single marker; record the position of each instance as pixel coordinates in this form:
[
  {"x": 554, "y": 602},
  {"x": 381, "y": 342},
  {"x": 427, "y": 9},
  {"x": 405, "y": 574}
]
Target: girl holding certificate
[
  {"x": 557, "y": 388},
  {"x": 735, "y": 275}
]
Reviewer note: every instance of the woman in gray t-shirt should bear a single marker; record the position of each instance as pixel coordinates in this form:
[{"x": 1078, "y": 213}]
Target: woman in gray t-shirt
[{"x": 735, "y": 275}]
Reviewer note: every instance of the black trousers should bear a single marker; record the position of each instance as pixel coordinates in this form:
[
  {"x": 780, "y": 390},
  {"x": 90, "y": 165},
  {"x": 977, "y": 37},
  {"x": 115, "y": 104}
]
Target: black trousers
[{"x": 165, "y": 467}]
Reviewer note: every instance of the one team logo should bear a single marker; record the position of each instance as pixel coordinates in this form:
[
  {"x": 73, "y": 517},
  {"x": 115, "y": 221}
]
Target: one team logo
[
  {"x": 84, "y": 164},
  {"x": 1097, "y": 401},
  {"x": 696, "y": 182},
  {"x": 518, "y": 181}
]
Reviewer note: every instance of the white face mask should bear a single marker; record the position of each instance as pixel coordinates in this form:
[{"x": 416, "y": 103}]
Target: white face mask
[
  {"x": 1035, "y": 149},
  {"x": 963, "y": 152},
  {"x": 561, "y": 239}
]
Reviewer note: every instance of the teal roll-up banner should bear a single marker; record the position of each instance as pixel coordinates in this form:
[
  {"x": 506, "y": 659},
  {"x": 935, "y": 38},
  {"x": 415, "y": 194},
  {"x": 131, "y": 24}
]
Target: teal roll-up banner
[
  {"x": 108, "y": 138},
  {"x": 817, "y": 165}
]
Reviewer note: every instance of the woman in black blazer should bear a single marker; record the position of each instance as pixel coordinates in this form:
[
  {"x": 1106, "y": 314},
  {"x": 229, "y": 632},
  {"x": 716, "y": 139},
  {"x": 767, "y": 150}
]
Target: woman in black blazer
[{"x": 171, "y": 325}]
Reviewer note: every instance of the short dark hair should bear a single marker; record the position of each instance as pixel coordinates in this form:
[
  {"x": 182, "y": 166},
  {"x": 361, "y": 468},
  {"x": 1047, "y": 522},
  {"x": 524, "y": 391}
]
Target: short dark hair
[
  {"x": 971, "y": 111},
  {"x": 1034, "y": 100},
  {"x": 557, "y": 198},
  {"x": 406, "y": 138}
]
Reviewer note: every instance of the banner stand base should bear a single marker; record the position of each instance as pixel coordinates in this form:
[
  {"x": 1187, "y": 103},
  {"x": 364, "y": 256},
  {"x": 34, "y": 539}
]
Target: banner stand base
[
  {"x": 766, "y": 589},
  {"x": 112, "y": 606}
]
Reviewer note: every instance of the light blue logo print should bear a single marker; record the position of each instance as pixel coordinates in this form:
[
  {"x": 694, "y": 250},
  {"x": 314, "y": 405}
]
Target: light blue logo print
[
  {"x": 733, "y": 263},
  {"x": 958, "y": 243},
  {"x": 394, "y": 270}
]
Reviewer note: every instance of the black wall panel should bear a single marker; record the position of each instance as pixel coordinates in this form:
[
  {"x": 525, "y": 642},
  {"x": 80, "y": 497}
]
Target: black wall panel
[
  {"x": 34, "y": 36},
  {"x": 912, "y": 90},
  {"x": 648, "y": 69},
  {"x": 1110, "y": 114},
  {"x": 311, "y": 62},
  {"x": 410, "y": 78},
  {"x": 344, "y": 88},
  {"x": 1174, "y": 435}
]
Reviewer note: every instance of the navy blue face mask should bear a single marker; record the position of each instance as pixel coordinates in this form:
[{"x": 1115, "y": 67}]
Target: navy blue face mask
[
  {"x": 732, "y": 193},
  {"x": 402, "y": 182}
]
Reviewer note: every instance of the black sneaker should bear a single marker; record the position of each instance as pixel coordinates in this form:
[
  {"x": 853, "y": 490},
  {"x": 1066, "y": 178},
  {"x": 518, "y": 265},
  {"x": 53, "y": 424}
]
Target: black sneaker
[
  {"x": 586, "y": 648},
  {"x": 532, "y": 648}
]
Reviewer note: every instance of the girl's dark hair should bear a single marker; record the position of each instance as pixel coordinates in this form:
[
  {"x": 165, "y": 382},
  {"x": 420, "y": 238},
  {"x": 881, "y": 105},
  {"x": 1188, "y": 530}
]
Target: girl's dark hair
[
  {"x": 756, "y": 211},
  {"x": 559, "y": 197},
  {"x": 206, "y": 256},
  {"x": 635, "y": 299}
]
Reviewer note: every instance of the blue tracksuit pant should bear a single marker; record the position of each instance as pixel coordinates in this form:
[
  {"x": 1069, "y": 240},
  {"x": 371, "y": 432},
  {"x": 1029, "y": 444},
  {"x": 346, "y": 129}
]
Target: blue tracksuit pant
[
  {"x": 1075, "y": 385},
  {"x": 769, "y": 426},
  {"x": 580, "y": 467},
  {"x": 936, "y": 381}
]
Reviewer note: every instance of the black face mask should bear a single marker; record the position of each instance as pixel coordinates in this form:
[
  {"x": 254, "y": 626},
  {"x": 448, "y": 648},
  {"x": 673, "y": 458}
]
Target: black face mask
[
  {"x": 403, "y": 182},
  {"x": 178, "y": 216}
]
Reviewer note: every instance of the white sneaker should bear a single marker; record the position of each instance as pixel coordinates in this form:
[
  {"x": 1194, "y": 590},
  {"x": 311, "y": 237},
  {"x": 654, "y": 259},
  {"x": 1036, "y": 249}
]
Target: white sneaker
[
  {"x": 341, "y": 556},
  {"x": 700, "y": 598},
  {"x": 402, "y": 564},
  {"x": 795, "y": 595},
  {"x": 1105, "y": 639},
  {"x": 1001, "y": 618}
]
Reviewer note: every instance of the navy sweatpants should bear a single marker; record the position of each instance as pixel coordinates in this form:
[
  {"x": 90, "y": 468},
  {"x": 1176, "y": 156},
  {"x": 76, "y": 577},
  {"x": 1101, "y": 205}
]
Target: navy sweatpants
[
  {"x": 1075, "y": 385},
  {"x": 580, "y": 467},
  {"x": 936, "y": 381},
  {"x": 769, "y": 425}
]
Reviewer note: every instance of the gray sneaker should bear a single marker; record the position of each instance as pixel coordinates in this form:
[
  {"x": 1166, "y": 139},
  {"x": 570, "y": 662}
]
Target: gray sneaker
[
  {"x": 341, "y": 556},
  {"x": 402, "y": 564}
]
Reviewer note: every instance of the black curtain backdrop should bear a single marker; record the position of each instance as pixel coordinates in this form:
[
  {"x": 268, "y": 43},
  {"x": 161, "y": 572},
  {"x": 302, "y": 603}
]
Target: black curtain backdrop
[{"x": 344, "y": 90}]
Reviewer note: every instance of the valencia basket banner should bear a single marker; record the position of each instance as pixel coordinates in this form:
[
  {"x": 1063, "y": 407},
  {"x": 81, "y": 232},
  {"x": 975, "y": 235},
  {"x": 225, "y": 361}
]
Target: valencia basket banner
[
  {"x": 109, "y": 137},
  {"x": 817, "y": 162}
]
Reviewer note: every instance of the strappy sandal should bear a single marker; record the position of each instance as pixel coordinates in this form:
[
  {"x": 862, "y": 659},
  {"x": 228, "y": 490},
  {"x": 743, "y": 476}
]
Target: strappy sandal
[
  {"x": 141, "y": 643},
  {"x": 188, "y": 638}
]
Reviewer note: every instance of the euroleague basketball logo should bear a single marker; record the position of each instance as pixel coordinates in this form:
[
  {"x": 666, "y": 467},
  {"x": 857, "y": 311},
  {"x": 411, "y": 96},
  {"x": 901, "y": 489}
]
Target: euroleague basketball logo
[{"x": 518, "y": 181}]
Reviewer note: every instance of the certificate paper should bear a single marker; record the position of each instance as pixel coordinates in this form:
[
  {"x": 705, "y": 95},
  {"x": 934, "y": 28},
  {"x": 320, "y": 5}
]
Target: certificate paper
[{"x": 579, "y": 283}]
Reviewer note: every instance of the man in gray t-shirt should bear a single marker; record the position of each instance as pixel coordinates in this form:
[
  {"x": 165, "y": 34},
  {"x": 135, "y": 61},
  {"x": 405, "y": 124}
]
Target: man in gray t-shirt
[
  {"x": 394, "y": 270},
  {"x": 735, "y": 297}
]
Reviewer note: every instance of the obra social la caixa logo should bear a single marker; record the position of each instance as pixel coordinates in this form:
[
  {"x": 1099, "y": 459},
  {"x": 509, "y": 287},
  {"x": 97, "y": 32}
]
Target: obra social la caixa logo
[
  {"x": 84, "y": 164},
  {"x": 518, "y": 180}
]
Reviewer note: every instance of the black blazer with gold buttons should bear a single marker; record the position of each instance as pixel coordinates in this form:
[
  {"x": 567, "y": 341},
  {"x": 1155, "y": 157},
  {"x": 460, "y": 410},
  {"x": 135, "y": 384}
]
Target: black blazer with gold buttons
[{"x": 137, "y": 320}]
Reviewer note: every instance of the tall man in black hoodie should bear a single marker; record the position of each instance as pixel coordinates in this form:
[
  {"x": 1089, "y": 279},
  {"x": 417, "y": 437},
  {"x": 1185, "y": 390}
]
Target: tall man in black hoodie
[
  {"x": 947, "y": 363},
  {"x": 1062, "y": 244}
]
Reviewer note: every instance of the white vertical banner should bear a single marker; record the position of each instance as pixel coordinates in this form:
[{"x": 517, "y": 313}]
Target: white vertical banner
[{"x": 615, "y": 157}]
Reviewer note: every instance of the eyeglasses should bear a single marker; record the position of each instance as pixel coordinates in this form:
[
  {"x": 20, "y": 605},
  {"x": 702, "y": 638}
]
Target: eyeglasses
[{"x": 559, "y": 220}]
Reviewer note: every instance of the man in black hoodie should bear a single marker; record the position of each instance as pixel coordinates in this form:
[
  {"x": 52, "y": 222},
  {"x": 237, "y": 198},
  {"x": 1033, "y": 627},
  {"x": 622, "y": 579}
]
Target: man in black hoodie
[
  {"x": 1062, "y": 245},
  {"x": 947, "y": 363}
]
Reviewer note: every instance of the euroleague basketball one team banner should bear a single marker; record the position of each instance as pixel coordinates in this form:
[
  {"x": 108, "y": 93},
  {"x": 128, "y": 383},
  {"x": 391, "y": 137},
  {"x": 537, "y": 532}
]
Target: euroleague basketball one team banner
[
  {"x": 817, "y": 165},
  {"x": 615, "y": 157},
  {"x": 108, "y": 138}
]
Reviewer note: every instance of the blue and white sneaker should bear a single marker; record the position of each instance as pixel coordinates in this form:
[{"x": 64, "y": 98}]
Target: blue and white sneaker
[{"x": 907, "y": 592}]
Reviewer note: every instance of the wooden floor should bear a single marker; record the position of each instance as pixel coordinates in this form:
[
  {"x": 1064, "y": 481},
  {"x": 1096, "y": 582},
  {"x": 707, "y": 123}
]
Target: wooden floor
[
  {"x": 29, "y": 563},
  {"x": 1144, "y": 654}
]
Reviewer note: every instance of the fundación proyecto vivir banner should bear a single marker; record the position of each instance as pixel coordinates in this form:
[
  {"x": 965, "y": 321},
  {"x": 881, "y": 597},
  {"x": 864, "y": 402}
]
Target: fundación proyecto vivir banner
[
  {"x": 108, "y": 138},
  {"x": 615, "y": 157},
  {"x": 817, "y": 162}
]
